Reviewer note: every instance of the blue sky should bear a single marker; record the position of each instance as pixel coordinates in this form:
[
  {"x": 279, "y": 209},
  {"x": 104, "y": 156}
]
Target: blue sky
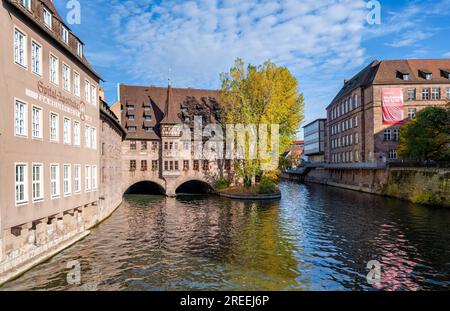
[{"x": 322, "y": 42}]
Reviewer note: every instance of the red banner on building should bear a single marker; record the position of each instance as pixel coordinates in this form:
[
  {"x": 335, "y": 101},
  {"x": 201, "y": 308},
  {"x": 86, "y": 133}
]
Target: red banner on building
[{"x": 392, "y": 105}]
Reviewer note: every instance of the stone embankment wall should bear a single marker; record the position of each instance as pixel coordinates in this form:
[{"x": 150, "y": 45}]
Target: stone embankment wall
[{"x": 419, "y": 185}]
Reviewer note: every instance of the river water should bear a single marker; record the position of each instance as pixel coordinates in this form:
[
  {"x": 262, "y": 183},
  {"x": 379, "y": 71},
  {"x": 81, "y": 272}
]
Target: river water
[{"x": 315, "y": 238}]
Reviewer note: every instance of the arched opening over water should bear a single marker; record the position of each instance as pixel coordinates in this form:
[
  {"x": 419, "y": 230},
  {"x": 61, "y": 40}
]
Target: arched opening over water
[
  {"x": 195, "y": 187},
  {"x": 146, "y": 188}
]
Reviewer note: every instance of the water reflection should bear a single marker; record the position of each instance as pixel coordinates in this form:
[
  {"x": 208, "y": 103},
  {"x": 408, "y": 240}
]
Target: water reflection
[{"x": 315, "y": 238}]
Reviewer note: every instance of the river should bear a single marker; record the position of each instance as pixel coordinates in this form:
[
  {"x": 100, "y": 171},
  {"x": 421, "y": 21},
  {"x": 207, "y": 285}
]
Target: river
[{"x": 315, "y": 238}]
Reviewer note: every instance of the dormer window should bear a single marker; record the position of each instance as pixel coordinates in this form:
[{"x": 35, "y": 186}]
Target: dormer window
[
  {"x": 27, "y": 4},
  {"x": 65, "y": 34},
  {"x": 47, "y": 18},
  {"x": 446, "y": 73},
  {"x": 80, "y": 49},
  {"x": 404, "y": 75},
  {"x": 425, "y": 74}
]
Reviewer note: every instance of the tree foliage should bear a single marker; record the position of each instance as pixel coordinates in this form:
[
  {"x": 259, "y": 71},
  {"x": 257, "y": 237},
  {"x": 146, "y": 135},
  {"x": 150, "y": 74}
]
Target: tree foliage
[
  {"x": 264, "y": 94},
  {"x": 427, "y": 136}
]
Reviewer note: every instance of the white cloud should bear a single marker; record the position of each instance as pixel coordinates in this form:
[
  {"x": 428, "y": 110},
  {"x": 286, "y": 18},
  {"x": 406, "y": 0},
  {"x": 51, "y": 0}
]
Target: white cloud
[{"x": 199, "y": 39}]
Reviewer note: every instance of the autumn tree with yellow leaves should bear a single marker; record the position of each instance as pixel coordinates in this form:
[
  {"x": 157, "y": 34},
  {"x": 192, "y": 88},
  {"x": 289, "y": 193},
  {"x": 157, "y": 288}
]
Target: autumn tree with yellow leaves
[{"x": 264, "y": 94}]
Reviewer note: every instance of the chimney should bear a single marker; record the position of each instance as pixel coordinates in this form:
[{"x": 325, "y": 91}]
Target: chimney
[{"x": 101, "y": 93}]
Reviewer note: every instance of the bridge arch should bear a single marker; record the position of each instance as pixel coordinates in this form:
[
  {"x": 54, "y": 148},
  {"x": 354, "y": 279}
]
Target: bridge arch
[
  {"x": 194, "y": 186},
  {"x": 145, "y": 186}
]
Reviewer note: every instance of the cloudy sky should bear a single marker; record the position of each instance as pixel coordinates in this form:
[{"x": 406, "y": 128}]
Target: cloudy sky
[{"x": 322, "y": 42}]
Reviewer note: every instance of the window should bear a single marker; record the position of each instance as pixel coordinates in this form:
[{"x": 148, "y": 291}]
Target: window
[
  {"x": 131, "y": 117},
  {"x": 27, "y": 4},
  {"x": 76, "y": 133},
  {"x": 387, "y": 135},
  {"x": 355, "y": 101},
  {"x": 36, "y": 58},
  {"x": 20, "y": 47},
  {"x": 77, "y": 179},
  {"x": 93, "y": 138},
  {"x": 87, "y": 91},
  {"x": 435, "y": 93},
  {"x": 196, "y": 165},
  {"x": 411, "y": 94},
  {"x": 132, "y": 165},
  {"x": 76, "y": 84},
  {"x": 87, "y": 175},
  {"x": 411, "y": 113},
  {"x": 356, "y": 138},
  {"x": 144, "y": 165},
  {"x": 37, "y": 183},
  {"x": 36, "y": 125},
  {"x": 395, "y": 134},
  {"x": 67, "y": 180},
  {"x": 154, "y": 165},
  {"x": 132, "y": 145},
  {"x": 66, "y": 77},
  {"x": 393, "y": 154},
  {"x": 448, "y": 93},
  {"x": 80, "y": 49},
  {"x": 54, "y": 137},
  {"x": 87, "y": 136},
  {"x": 66, "y": 131},
  {"x": 205, "y": 165},
  {"x": 54, "y": 180},
  {"x": 21, "y": 118},
  {"x": 47, "y": 18},
  {"x": 425, "y": 94},
  {"x": 94, "y": 177},
  {"x": 428, "y": 76},
  {"x": 21, "y": 183},
  {"x": 131, "y": 129},
  {"x": 93, "y": 95},
  {"x": 65, "y": 34},
  {"x": 54, "y": 68},
  {"x": 143, "y": 145},
  {"x": 186, "y": 165},
  {"x": 406, "y": 77}
]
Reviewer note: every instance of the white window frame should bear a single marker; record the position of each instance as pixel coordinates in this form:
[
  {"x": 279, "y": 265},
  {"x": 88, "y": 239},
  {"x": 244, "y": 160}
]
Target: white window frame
[
  {"x": 67, "y": 180},
  {"x": 76, "y": 84},
  {"x": 21, "y": 183},
  {"x": 76, "y": 133},
  {"x": 47, "y": 14},
  {"x": 93, "y": 95},
  {"x": 24, "y": 132},
  {"x": 80, "y": 49},
  {"x": 87, "y": 136},
  {"x": 94, "y": 138},
  {"x": 39, "y": 182},
  {"x": 54, "y": 139},
  {"x": 448, "y": 93},
  {"x": 65, "y": 34},
  {"x": 39, "y": 125},
  {"x": 435, "y": 93},
  {"x": 94, "y": 175},
  {"x": 54, "y": 74},
  {"x": 66, "y": 78},
  {"x": 27, "y": 4},
  {"x": 87, "y": 91},
  {"x": 67, "y": 132},
  {"x": 21, "y": 61},
  {"x": 55, "y": 180},
  {"x": 36, "y": 68},
  {"x": 87, "y": 178},
  {"x": 77, "y": 179}
]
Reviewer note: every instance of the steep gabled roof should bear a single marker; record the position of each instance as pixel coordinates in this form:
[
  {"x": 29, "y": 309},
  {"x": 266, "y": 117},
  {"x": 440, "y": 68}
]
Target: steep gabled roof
[{"x": 170, "y": 115}]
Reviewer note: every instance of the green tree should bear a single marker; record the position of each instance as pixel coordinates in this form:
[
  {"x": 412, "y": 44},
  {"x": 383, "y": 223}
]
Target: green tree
[
  {"x": 427, "y": 136},
  {"x": 264, "y": 94}
]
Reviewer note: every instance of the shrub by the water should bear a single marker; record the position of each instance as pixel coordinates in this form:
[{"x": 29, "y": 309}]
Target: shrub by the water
[
  {"x": 266, "y": 186},
  {"x": 222, "y": 183}
]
